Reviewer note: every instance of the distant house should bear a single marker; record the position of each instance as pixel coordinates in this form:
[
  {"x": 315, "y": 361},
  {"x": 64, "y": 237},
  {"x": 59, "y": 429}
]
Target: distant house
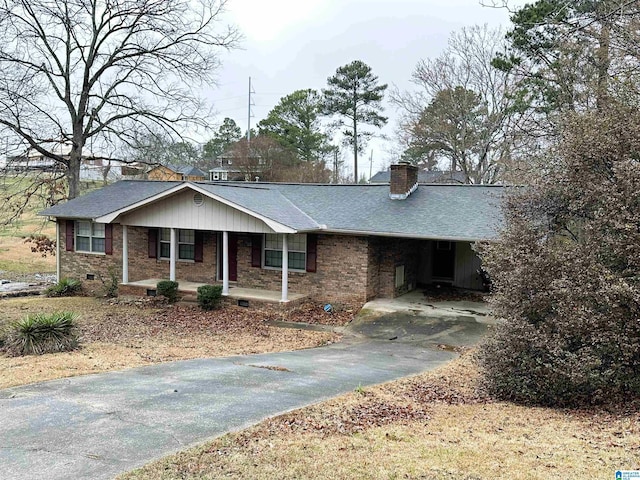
[
  {"x": 92, "y": 167},
  {"x": 176, "y": 173},
  {"x": 424, "y": 176},
  {"x": 227, "y": 168},
  {"x": 328, "y": 242}
]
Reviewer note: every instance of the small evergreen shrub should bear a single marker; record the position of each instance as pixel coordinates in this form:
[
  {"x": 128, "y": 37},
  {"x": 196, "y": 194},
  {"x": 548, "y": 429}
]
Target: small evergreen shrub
[
  {"x": 64, "y": 288},
  {"x": 168, "y": 289},
  {"x": 209, "y": 296},
  {"x": 41, "y": 333}
]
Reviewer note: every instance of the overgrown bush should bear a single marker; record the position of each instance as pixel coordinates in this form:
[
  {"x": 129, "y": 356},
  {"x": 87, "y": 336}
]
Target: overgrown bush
[
  {"x": 168, "y": 289},
  {"x": 566, "y": 273},
  {"x": 41, "y": 333},
  {"x": 64, "y": 288},
  {"x": 209, "y": 296}
]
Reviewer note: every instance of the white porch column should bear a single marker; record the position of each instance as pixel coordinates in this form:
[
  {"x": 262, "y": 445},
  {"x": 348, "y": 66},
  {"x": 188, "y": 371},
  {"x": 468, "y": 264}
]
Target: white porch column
[
  {"x": 285, "y": 269},
  {"x": 172, "y": 256},
  {"x": 125, "y": 254},
  {"x": 225, "y": 263},
  {"x": 58, "y": 250}
]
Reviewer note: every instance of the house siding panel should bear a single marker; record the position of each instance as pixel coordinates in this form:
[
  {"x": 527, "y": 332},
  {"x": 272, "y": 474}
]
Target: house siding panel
[
  {"x": 466, "y": 267},
  {"x": 179, "y": 211}
]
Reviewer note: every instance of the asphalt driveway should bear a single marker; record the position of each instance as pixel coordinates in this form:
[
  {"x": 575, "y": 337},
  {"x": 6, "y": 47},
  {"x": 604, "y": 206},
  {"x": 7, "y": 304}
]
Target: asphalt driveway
[{"x": 96, "y": 426}]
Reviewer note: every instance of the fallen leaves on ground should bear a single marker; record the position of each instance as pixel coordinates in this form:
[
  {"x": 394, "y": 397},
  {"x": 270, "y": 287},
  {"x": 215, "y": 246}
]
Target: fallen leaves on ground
[{"x": 130, "y": 332}]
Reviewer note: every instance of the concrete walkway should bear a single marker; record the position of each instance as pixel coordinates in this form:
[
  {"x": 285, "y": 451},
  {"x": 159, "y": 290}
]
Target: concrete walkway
[{"x": 96, "y": 426}]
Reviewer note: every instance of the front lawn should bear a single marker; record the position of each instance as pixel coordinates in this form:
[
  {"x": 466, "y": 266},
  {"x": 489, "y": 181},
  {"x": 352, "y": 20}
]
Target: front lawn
[{"x": 120, "y": 334}]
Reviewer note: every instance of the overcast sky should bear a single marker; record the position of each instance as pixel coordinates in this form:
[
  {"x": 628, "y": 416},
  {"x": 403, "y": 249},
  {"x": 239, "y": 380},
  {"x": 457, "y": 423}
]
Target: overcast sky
[{"x": 295, "y": 44}]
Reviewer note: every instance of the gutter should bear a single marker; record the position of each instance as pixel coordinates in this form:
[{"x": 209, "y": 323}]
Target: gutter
[{"x": 395, "y": 235}]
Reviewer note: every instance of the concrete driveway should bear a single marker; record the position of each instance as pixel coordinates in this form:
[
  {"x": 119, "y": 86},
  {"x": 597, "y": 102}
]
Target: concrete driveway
[{"x": 96, "y": 426}]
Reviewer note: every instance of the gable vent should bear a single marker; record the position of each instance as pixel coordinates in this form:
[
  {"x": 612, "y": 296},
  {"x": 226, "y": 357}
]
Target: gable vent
[{"x": 198, "y": 199}]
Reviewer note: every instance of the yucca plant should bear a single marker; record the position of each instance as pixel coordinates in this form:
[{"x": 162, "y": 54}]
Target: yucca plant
[
  {"x": 42, "y": 333},
  {"x": 65, "y": 287}
]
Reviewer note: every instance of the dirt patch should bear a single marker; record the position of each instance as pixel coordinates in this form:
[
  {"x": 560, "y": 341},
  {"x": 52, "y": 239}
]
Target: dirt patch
[{"x": 116, "y": 335}]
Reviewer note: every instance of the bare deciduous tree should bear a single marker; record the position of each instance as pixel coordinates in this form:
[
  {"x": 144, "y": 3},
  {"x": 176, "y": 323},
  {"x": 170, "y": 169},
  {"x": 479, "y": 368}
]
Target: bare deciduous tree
[
  {"x": 462, "y": 112},
  {"x": 92, "y": 73}
]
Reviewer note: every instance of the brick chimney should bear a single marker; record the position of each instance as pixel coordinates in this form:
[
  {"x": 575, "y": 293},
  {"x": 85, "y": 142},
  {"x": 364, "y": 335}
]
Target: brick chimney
[{"x": 404, "y": 180}]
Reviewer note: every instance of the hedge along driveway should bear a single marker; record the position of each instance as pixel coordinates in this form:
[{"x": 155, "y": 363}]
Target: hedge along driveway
[{"x": 96, "y": 426}]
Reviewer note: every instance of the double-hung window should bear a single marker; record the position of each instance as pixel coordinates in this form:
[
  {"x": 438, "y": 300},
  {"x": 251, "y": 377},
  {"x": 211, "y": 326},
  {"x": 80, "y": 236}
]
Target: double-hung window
[
  {"x": 89, "y": 237},
  {"x": 186, "y": 244},
  {"x": 296, "y": 245}
]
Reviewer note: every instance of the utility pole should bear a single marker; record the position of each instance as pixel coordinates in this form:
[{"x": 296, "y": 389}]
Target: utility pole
[
  {"x": 249, "y": 113},
  {"x": 250, "y": 104}
]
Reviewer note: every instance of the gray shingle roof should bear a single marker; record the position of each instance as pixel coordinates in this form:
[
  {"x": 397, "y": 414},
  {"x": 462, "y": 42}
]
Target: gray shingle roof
[
  {"x": 187, "y": 170},
  {"x": 109, "y": 199},
  {"x": 460, "y": 212}
]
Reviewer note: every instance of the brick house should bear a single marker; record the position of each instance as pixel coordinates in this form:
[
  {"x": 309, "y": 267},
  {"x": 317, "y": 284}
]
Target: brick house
[{"x": 329, "y": 242}]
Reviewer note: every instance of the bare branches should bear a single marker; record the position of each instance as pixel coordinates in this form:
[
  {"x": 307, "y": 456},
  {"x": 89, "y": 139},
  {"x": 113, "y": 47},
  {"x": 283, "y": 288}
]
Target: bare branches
[
  {"x": 91, "y": 70},
  {"x": 462, "y": 110}
]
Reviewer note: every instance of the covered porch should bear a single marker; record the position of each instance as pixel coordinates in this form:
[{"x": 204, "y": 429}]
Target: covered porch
[{"x": 236, "y": 294}]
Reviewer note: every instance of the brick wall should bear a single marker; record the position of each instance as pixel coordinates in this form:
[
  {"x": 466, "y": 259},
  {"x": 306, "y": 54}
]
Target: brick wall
[
  {"x": 386, "y": 255},
  {"x": 349, "y": 268},
  {"x": 79, "y": 265},
  {"x": 341, "y": 272},
  {"x": 142, "y": 267}
]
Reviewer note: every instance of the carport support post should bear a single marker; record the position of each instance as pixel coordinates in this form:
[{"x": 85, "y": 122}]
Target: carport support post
[
  {"x": 125, "y": 254},
  {"x": 225, "y": 263},
  {"x": 285, "y": 268},
  {"x": 172, "y": 256}
]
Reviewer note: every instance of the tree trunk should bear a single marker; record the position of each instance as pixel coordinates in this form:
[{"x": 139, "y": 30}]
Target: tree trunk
[
  {"x": 73, "y": 168},
  {"x": 355, "y": 148}
]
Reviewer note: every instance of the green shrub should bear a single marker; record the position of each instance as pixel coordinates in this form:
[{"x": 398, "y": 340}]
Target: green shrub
[
  {"x": 42, "y": 333},
  {"x": 209, "y": 296},
  {"x": 64, "y": 288},
  {"x": 168, "y": 289}
]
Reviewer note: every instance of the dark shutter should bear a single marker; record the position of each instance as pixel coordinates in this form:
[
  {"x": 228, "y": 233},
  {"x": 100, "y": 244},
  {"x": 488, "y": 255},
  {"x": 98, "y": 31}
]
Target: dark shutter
[
  {"x": 256, "y": 250},
  {"x": 153, "y": 243},
  {"x": 312, "y": 252},
  {"x": 198, "y": 246},
  {"x": 108, "y": 239},
  {"x": 69, "y": 236}
]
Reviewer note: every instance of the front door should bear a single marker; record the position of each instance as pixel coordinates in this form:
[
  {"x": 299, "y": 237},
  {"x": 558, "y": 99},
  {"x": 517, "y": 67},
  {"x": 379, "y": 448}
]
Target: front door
[
  {"x": 444, "y": 260},
  {"x": 233, "y": 257}
]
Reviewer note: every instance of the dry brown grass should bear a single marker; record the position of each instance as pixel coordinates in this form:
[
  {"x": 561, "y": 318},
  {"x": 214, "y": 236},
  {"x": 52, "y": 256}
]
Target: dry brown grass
[
  {"x": 16, "y": 257},
  {"x": 117, "y": 336},
  {"x": 432, "y": 426}
]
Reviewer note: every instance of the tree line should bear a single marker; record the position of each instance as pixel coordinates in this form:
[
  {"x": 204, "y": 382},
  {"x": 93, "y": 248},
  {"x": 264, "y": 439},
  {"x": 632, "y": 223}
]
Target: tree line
[{"x": 295, "y": 141}]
